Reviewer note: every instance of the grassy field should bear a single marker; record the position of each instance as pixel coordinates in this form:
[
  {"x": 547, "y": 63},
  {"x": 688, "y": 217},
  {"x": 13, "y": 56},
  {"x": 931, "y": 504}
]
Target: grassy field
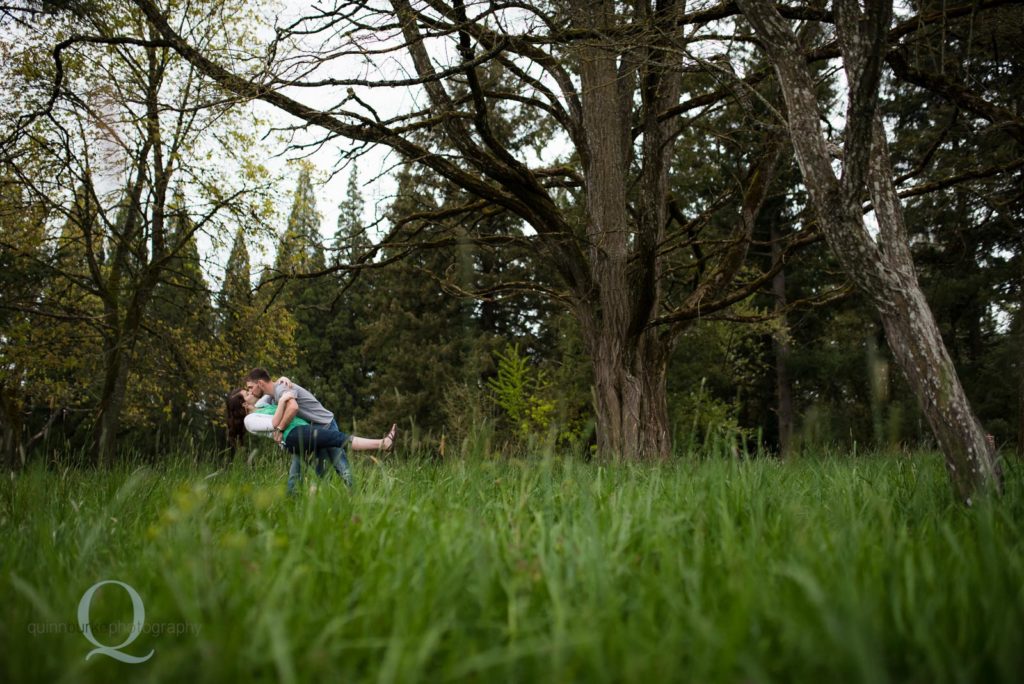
[{"x": 831, "y": 569}]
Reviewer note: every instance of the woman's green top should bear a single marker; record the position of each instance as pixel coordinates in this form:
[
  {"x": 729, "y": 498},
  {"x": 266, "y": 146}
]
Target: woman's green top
[{"x": 270, "y": 410}]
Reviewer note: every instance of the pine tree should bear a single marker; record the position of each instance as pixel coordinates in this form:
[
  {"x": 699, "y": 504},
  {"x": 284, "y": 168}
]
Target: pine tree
[
  {"x": 300, "y": 252},
  {"x": 236, "y": 291},
  {"x": 347, "y": 366},
  {"x": 269, "y": 330},
  {"x": 351, "y": 242},
  {"x": 300, "y": 249},
  {"x": 426, "y": 339},
  {"x": 237, "y": 312},
  {"x": 417, "y": 332}
]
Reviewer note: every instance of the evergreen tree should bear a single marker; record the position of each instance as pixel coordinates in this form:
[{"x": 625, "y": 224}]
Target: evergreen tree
[
  {"x": 348, "y": 366},
  {"x": 300, "y": 252},
  {"x": 427, "y": 339},
  {"x": 351, "y": 242},
  {"x": 237, "y": 313},
  {"x": 269, "y": 330},
  {"x": 236, "y": 291},
  {"x": 300, "y": 249},
  {"x": 966, "y": 234},
  {"x": 417, "y": 335}
]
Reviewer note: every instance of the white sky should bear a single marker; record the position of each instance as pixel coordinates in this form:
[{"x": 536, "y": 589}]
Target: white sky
[
  {"x": 375, "y": 175},
  {"x": 375, "y": 167}
]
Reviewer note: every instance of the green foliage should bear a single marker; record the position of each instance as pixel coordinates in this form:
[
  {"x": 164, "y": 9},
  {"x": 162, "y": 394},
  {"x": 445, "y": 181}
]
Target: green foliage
[
  {"x": 300, "y": 249},
  {"x": 329, "y": 311},
  {"x": 822, "y": 569},
  {"x": 537, "y": 409},
  {"x": 379, "y": 345},
  {"x": 966, "y": 237},
  {"x": 713, "y": 426},
  {"x": 133, "y": 348},
  {"x": 523, "y": 393},
  {"x": 236, "y": 289},
  {"x": 177, "y": 380},
  {"x": 252, "y": 330},
  {"x": 714, "y": 374},
  {"x": 420, "y": 338}
]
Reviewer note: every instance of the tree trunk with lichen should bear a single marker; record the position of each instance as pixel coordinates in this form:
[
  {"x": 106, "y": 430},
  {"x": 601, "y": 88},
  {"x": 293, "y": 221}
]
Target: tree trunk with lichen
[
  {"x": 1020, "y": 354},
  {"x": 780, "y": 347},
  {"x": 882, "y": 268}
]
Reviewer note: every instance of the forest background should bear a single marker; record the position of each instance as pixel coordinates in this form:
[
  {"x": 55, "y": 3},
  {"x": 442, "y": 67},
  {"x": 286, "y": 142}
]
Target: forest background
[{"x": 130, "y": 301}]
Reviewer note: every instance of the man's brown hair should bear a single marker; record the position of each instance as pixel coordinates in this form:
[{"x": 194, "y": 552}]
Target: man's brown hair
[{"x": 257, "y": 374}]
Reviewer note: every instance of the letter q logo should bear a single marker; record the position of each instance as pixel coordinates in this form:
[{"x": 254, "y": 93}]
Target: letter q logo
[{"x": 138, "y": 619}]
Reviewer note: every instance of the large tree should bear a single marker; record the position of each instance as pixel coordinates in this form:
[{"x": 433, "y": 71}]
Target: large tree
[
  {"x": 349, "y": 365},
  {"x": 22, "y": 284},
  {"x": 300, "y": 251},
  {"x": 966, "y": 237},
  {"x": 882, "y": 266}
]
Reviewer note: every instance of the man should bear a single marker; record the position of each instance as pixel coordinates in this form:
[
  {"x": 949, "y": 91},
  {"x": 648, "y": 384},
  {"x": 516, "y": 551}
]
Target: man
[{"x": 257, "y": 381}]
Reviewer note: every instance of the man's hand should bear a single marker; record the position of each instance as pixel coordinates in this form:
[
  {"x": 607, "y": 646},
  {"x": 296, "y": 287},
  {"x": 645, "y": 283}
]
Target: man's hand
[
  {"x": 287, "y": 409},
  {"x": 279, "y": 414}
]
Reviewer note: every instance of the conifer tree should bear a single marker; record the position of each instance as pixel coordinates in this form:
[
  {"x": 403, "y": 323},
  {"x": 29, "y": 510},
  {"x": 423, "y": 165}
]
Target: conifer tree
[
  {"x": 416, "y": 333},
  {"x": 236, "y": 290},
  {"x": 348, "y": 365},
  {"x": 300, "y": 252}
]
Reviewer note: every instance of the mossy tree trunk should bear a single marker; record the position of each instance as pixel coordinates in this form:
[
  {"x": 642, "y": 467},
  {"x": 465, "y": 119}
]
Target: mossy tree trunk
[{"x": 882, "y": 268}]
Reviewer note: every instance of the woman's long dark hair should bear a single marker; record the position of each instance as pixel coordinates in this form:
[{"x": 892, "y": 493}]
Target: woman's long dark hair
[{"x": 235, "y": 409}]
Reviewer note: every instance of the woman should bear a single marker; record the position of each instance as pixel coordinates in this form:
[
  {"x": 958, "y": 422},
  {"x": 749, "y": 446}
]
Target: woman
[{"x": 299, "y": 436}]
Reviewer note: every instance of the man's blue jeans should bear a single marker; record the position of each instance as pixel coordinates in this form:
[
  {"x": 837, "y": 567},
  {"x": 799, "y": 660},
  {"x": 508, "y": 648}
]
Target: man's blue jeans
[{"x": 336, "y": 456}]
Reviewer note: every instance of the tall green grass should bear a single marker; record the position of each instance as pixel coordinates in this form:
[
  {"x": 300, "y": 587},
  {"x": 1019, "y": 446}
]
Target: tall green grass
[{"x": 835, "y": 569}]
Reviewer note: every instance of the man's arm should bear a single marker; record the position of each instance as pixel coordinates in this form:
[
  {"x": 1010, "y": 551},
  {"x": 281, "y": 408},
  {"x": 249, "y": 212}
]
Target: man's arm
[
  {"x": 287, "y": 407},
  {"x": 282, "y": 400}
]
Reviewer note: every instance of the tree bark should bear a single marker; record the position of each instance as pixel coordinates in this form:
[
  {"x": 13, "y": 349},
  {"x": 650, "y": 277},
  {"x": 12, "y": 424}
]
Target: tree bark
[
  {"x": 1020, "y": 352},
  {"x": 630, "y": 397},
  {"x": 629, "y": 358},
  {"x": 883, "y": 270},
  {"x": 11, "y": 433},
  {"x": 111, "y": 403},
  {"x": 783, "y": 386},
  {"x": 119, "y": 348}
]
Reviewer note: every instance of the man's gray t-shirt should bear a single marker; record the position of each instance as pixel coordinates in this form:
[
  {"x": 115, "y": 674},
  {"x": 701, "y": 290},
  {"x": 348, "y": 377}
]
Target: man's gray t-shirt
[{"x": 309, "y": 407}]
